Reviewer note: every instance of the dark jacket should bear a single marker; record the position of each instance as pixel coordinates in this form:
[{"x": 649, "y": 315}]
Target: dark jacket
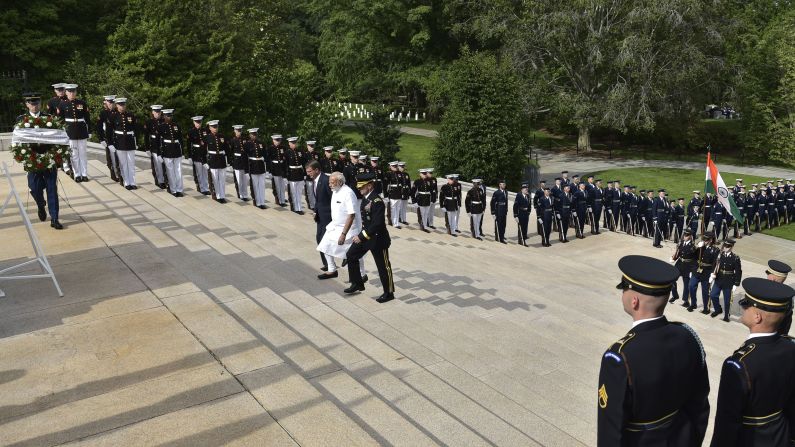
[
  {"x": 323, "y": 200},
  {"x": 374, "y": 233}
]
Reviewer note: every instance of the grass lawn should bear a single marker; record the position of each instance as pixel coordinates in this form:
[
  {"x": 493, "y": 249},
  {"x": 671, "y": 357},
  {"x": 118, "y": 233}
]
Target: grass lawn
[
  {"x": 415, "y": 150},
  {"x": 682, "y": 183},
  {"x": 420, "y": 125}
]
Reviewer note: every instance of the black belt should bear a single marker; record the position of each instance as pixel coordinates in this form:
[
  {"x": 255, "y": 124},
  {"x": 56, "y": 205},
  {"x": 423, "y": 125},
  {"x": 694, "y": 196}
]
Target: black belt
[
  {"x": 686, "y": 260},
  {"x": 725, "y": 272},
  {"x": 652, "y": 425}
]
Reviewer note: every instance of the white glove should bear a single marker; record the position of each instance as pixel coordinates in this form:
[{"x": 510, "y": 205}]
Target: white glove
[
  {"x": 700, "y": 244},
  {"x": 734, "y": 289},
  {"x": 516, "y": 219},
  {"x": 711, "y": 278},
  {"x": 557, "y": 215},
  {"x": 112, "y": 147},
  {"x": 589, "y": 209},
  {"x": 206, "y": 166},
  {"x": 541, "y": 221},
  {"x": 103, "y": 144},
  {"x": 671, "y": 260}
]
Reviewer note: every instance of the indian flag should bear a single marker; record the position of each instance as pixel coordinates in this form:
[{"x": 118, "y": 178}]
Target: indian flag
[{"x": 716, "y": 186}]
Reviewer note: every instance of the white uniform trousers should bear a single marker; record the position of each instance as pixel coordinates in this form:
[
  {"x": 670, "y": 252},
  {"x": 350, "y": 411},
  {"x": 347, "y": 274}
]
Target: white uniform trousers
[
  {"x": 158, "y": 162},
  {"x": 258, "y": 188},
  {"x": 79, "y": 157},
  {"x": 394, "y": 207},
  {"x": 431, "y": 212},
  {"x": 404, "y": 204},
  {"x": 174, "y": 168},
  {"x": 452, "y": 220},
  {"x": 127, "y": 160},
  {"x": 113, "y": 162},
  {"x": 476, "y": 219},
  {"x": 457, "y": 215},
  {"x": 296, "y": 191},
  {"x": 278, "y": 182},
  {"x": 424, "y": 214},
  {"x": 201, "y": 175},
  {"x": 242, "y": 183},
  {"x": 219, "y": 182},
  {"x": 310, "y": 194}
]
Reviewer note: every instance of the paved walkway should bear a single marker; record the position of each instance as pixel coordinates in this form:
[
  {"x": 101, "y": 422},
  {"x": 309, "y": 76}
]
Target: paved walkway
[{"x": 186, "y": 322}]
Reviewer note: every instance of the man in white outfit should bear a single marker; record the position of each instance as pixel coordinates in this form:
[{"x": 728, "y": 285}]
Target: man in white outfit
[{"x": 340, "y": 232}]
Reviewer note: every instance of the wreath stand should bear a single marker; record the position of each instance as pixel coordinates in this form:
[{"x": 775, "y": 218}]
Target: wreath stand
[{"x": 41, "y": 258}]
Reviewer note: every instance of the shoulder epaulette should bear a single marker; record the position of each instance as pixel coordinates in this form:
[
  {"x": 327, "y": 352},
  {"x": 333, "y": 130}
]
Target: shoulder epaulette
[
  {"x": 619, "y": 345},
  {"x": 377, "y": 199}
]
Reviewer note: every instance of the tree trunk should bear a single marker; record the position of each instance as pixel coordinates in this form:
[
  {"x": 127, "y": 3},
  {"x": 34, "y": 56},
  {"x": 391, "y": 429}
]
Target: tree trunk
[{"x": 584, "y": 139}]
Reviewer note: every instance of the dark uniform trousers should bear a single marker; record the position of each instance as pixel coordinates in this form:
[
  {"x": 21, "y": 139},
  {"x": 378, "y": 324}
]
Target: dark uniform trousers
[
  {"x": 38, "y": 182},
  {"x": 375, "y": 239},
  {"x": 645, "y": 398}
]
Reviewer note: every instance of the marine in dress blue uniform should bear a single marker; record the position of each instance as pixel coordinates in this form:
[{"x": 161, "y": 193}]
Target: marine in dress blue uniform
[
  {"x": 499, "y": 210},
  {"x": 644, "y": 398}
]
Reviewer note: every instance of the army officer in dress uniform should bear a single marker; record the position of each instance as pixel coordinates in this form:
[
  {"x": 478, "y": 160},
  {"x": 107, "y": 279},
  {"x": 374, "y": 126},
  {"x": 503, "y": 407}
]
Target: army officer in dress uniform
[
  {"x": 756, "y": 397},
  {"x": 653, "y": 383}
]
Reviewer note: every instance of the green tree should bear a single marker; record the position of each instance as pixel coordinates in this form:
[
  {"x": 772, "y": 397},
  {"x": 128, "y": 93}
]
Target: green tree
[
  {"x": 319, "y": 124},
  {"x": 380, "y": 136},
  {"x": 484, "y": 129}
]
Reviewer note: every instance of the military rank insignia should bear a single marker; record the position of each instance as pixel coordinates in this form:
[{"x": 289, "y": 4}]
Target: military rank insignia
[{"x": 603, "y": 397}]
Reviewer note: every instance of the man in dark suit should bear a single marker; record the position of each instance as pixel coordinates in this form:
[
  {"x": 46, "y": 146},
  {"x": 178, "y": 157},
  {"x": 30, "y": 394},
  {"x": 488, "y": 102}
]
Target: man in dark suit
[
  {"x": 373, "y": 238},
  {"x": 322, "y": 192}
]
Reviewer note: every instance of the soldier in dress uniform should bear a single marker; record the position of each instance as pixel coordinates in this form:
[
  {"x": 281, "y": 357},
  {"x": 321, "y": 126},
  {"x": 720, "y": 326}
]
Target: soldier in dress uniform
[
  {"x": 706, "y": 254},
  {"x": 277, "y": 167},
  {"x": 499, "y": 211},
  {"x": 626, "y": 210},
  {"x": 756, "y": 397},
  {"x": 394, "y": 191},
  {"x": 103, "y": 125},
  {"x": 295, "y": 174},
  {"x": 342, "y": 160},
  {"x": 646, "y": 213},
  {"x": 781, "y": 206},
  {"x": 123, "y": 141},
  {"x": 597, "y": 198},
  {"x": 421, "y": 196},
  {"x": 475, "y": 204},
  {"x": 790, "y": 201},
  {"x": 644, "y": 398},
  {"x": 678, "y": 218},
  {"x": 257, "y": 167},
  {"x": 659, "y": 214},
  {"x": 310, "y": 154},
  {"x": 762, "y": 210},
  {"x": 615, "y": 207},
  {"x": 694, "y": 208},
  {"x": 405, "y": 192},
  {"x": 434, "y": 197},
  {"x": 197, "y": 152},
  {"x": 327, "y": 162},
  {"x": 59, "y": 90},
  {"x": 749, "y": 212},
  {"x": 581, "y": 209},
  {"x": 521, "y": 211},
  {"x": 374, "y": 238},
  {"x": 76, "y": 115},
  {"x": 684, "y": 258},
  {"x": 170, "y": 139},
  {"x": 717, "y": 220},
  {"x": 725, "y": 279},
  {"x": 351, "y": 171},
  {"x": 777, "y": 271},
  {"x": 152, "y": 145},
  {"x": 563, "y": 212},
  {"x": 47, "y": 180},
  {"x": 737, "y": 186},
  {"x": 217, "y": 147},
  {"x": 375, "y": 168},
  {"x": 238, "y": 159},
  {"x": 537, "y": 195},
  {"x": 450, "y": 203},
  {"x": 564, "y": 179},
  {"x": 545, "y": 211},
  {"x": 709, "y": 202}
]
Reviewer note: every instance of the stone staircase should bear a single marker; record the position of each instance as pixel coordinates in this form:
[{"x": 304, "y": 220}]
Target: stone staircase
[{"x": 188, "y": 322}]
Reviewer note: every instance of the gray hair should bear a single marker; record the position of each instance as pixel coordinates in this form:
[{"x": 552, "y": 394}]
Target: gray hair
[{"x": 336, "y": 177}]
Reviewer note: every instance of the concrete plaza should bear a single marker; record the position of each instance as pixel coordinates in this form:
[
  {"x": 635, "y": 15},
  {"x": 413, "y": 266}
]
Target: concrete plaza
[{"x": 186, "y": 322}]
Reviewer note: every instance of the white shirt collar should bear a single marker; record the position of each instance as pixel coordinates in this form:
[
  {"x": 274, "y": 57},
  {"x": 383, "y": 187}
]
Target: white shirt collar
[
  {"x": 35, "y": 115},
  {"x": 645, "y": 320},
  {"x": 760, "y": 334}
]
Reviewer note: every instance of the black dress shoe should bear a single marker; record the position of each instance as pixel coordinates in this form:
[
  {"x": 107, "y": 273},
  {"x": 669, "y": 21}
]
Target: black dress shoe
[
  {"x": 479, "y": 238},
  {"x": 327, "y": 275},
  {"x": 705, "y": 311},
  {"x": 179, "y": 194},
  {"x": 262, "y": 207},
  {"x": 282, "y": 205},
  {"x": 385, "y": 297},
  {"x": 324, "y": 268},
  {"x": 162, "y": 186},
  {"x": 503, "y": 242},
  {"x": 128, "y": 187},
  {"x": 221, "y": 200},
  {"x": 134, "y": 186},
  {"x": 300, "y": 213},
  {"x": 79, "y": 179},
  {"x": 43, "y": 212},
  {"x": 55, "y": 224},
  {"x": 673, "y": 299},
  {"x": 685, "y": 304},
  {"x": 245, "y": 199},
  {"x": 354, "y": 288},
  {"x": 426, "y": 230},
  {"x": 344, "y": 262},
  {"x": 715, "y": 313},
  {"x": 454, "y": 235},
  {"x": 726, "y": 319},
  {"x": 206, "y": 193},
  {"x": 431, "y": 227},
  {"x": 457, "y": 231},
  {"x": 365, "y": 279}
]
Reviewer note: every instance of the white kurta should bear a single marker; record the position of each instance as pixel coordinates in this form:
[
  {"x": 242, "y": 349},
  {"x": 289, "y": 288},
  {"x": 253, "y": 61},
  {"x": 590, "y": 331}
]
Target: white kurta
[{"x": 343, "y": 204}]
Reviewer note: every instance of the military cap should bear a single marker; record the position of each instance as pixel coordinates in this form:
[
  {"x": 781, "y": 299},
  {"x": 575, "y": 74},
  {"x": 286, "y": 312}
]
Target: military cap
[
  {"x": 237, "y": 127},
  {"x": 767, "y": 295},
  {"x": 276, "y": 136},
  {"x": 778, "y": 268},
  {"x": 403, "y": 163},
  {"x": 558, "y": 178},
  {"x": 502, "y": 180},
  {"x": 616, "y": 181},
  {"x": 109, "y": 98},
  {"x": 253, "y": 130},
  {"x": 729, "y": 242},
  {"x": 542, "y": 181},
  {"x": 564, "y": 172},
  {"x": 755, "y": 184},
  {"x": 647, "y": 275},
  {"x": 449, "y": 176},
  {"x": 377, "y": 158},
  {"x": 328, "y": 148},
  {"x": 311, "y": 142},
  {"x": 59, "y": 85},
  {"x": 525, "y": 185},
  {"x": 575, "y": 176},
  {"x": 364, "y": 178},
  {"x": 738, "y": 180},
  {"x": 394, "y": 163},
  {"x": 212, "y": 123},
  {"x": 31, "y": 96},
  {"x": 642, "y": 190},
  {"x": 430, "y": 169},
  {"x": 343, "y": 150},
  {"x": 546, "y": 188},
  {"x": 354, "y": 154},
  {"x": 197, "y": 118},
  {"x": 598, "y": 180},
  {"x": 120, "y": 100},
  {"x": 590, "y": 176},
  {"x": 70, "y": 86},
  {"x": 363, "y": 156},
  {"x": 455, "y": 176},
  {"x": 292, "y": 139},
  {"x": 477, "y": 180},
  {"x": 423, "y": 171},
  {"x": 168, "y": 111},
  {"x": 696, "y": 192},
  {"x": 661, "y": 190},
  {"x": 681, "y": 198},
  {"x": 156, "y": 107},
  {"x": 687, "y": 232},
  {"x": 709, "y": 235}
]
